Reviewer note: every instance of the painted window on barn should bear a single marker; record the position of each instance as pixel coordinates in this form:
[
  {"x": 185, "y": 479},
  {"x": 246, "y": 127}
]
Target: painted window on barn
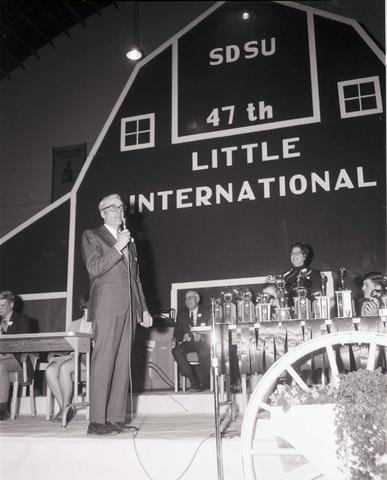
[
  {"x": 360, "y": 97},
  {"x": 137, "y": 132}
]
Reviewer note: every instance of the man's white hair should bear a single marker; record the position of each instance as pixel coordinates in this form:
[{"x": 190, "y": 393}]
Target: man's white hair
[{"x": 105, "y": 201}]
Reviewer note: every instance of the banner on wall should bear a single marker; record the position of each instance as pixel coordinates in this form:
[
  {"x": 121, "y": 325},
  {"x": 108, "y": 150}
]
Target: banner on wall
[{"x": 67, "y": 162}]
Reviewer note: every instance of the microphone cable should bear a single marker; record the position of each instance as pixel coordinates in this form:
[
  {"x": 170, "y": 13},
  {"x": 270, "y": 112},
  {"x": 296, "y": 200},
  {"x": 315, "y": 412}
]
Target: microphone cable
[
  {"x": 185, "y": 469},
  {"x": 135, "y": 429}
]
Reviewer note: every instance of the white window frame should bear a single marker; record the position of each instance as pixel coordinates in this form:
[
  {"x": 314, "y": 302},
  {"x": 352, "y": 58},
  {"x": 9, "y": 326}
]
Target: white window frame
[
  {"x": 358, "y": 82},
  {"x": 124, "y": 134}
]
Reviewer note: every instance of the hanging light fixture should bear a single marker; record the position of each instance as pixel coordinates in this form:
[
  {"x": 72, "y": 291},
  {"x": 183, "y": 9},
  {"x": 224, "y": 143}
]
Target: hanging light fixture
[{"x": 135, "y": 53}]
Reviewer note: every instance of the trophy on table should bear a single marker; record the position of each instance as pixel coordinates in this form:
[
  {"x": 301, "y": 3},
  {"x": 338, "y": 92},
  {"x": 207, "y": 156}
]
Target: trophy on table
[
  {"x": 245, "y": 307},
  {"x": 217, "y": 309},
  {"x": 343, "y": 297},
  {"x": 302, "y": 305},
  {"x": 229, "y": 309},
  {"x": 263, "y": 307},
  {"x": 381, "y": 296},
  {"x": 321, "y": 301},
  {"x": 282, "y": 312}
]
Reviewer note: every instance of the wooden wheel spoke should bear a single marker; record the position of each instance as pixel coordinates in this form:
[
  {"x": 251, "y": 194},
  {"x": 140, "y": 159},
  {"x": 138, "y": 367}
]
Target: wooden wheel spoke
[
  {"x": 333, "y": 364},
  {"x": 300, "y": 382},
  {"x": 371, "y": 357}
]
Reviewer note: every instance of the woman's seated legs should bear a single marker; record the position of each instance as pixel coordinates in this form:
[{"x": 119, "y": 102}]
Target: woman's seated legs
[{"x": 66, "y": 383}]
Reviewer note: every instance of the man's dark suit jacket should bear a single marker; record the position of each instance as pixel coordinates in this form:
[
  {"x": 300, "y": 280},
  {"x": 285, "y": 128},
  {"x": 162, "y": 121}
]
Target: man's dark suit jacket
[
  {"x": 183, "y": 324},
  {"x": 110, "y": 283},
  {"x": 20, "y": 324}
]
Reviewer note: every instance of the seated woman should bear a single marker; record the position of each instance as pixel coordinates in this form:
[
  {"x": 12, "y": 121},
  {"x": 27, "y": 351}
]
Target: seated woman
[
  {"x": 301, "y": 273},
  {"x": 370, "y": 305},
  {"x": 61, "y": 368}
]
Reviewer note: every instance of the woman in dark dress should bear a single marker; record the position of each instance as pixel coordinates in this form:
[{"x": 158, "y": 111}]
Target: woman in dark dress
[{"x": 301, "y": 274}]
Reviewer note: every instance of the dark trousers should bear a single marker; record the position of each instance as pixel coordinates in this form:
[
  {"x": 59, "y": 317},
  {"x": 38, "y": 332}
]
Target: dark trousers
[
  {"x": 109, "y": 380},
  {"x": 203, "y": 350}
]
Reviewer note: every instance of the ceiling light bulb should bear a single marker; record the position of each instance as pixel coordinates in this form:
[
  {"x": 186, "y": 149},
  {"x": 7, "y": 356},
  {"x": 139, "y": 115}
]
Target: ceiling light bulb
[
  {"x": 245, "y": 15},
  {"x": 134, "y": 53}
]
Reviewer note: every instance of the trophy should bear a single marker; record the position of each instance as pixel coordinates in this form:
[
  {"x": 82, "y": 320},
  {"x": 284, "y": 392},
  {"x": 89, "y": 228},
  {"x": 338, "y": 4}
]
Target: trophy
[
  {"x": 245, "y": 307},
  {"x": 263, "y": 307},
  {"x": 229, "y": 313},
  {"x": 217, "y": 309},
  {"x": 282, "y": 312},
  {"x": 321, "y": 301},
  {"x": 343, "y": 297},
  {"x": 302, "y": 306}
]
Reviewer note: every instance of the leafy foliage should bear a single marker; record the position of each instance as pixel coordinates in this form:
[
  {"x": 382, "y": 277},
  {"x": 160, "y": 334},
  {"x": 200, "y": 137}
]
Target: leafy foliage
[
  {"x": 360, "y": 418},
  {"x": 287, "y": 395}
]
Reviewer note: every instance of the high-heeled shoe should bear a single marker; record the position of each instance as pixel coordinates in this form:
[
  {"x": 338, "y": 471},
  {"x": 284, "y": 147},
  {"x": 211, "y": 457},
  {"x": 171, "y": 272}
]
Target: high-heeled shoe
[{"x": 57, "y": 418}]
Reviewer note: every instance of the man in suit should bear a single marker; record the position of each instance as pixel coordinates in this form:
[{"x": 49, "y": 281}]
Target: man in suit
[
  {"x": 187, "y": 341},
  {"x": 11, "y": 323},
  {"x": 116, "y": 305}
]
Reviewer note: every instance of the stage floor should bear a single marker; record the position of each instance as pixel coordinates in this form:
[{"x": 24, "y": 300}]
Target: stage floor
[{"x": 167, "y": 446}]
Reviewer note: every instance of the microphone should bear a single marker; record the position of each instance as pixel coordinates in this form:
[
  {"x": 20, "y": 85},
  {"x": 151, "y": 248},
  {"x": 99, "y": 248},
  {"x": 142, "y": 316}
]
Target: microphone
[{"x": 131, "y": 239}]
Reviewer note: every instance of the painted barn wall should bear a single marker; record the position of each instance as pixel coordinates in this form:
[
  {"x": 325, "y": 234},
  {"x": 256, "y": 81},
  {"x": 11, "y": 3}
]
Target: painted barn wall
[
  {"x": 249, "y": 236},
  {"x": 65, "y": 97}
]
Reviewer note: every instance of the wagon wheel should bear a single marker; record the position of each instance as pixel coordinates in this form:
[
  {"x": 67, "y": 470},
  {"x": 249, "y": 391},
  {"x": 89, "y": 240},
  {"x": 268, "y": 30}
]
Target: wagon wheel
[{"x": 267, "y": 456}]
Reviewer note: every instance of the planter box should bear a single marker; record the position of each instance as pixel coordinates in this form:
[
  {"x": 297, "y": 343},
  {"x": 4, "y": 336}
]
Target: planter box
[{"x": 311, "y": 430}]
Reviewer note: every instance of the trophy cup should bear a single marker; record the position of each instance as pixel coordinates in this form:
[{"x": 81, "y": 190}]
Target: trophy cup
[
  {"x": 282, "y": 312},
  {"x": 302, "y": 306},
  {"x": 217, "y": 310},
  {"x": 245, "y": 307},
  {"x": 263, "y": 308},
  {"x": 229, "y": 313},
  {"x": 343, "y": 297},
  {"x": 321, "y": 301}
]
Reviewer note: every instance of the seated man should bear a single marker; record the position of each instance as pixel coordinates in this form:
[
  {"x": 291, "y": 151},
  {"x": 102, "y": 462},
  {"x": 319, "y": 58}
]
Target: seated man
[
  {"x": 370, "y": 305},
  {"x": 187, "y": 341},
  {"x": 11, "y": 322},
  {"x": 59, "y": 372}
]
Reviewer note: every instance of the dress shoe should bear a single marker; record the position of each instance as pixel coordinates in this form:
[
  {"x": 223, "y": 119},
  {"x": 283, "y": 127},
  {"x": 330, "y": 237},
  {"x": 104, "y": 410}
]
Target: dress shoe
[
  {"x": 4, "y": 415},
  {"x": 95, "y": 428},
  {"x": 194, "y": 388},
  {"x": 123, "y": 427},
  {"x": 203, "y": 387}
]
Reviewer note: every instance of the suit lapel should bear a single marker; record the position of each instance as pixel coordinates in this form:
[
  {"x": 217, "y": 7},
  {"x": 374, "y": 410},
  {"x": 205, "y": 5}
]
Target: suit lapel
[
  {"x": 109, "y": 239},
  {"x": 106, "y": 236}
]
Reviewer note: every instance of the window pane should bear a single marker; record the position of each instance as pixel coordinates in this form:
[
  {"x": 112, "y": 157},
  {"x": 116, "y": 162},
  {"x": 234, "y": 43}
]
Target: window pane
[
  {"x": 351, "y": 91},
  {"x": 352, "y": 105},
  {"x": 368, "y": 103},
  {"x": 144, "y": 137},
  {"x": 367, "y": 88},
  {"x": 144, "y": 124},
  {"x": 130, "y": 127},
  {"x": 131, "y": 139}
]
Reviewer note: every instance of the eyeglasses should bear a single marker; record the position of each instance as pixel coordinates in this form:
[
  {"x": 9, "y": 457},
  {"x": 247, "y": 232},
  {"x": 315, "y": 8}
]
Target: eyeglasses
[{"x": 114, "y": 208}]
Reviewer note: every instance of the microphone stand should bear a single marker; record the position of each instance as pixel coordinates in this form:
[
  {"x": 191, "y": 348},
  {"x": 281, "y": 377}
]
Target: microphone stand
[{"x": 215, "y": 376}]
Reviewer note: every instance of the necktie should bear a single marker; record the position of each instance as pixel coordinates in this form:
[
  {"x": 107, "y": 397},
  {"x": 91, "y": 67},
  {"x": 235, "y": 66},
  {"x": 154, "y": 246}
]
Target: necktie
[{"x": 191, "y": 319}]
